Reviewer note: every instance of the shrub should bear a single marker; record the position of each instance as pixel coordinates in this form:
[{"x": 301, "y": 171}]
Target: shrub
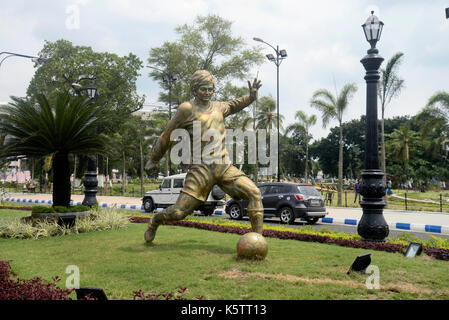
[
  {"x": 42, "y": 209},
  {"x": 14, "y": 288},
  {"x": 106, "y": 219},
  {"x": 79, "y": 208},
  {"x": 59, "y": 209}
]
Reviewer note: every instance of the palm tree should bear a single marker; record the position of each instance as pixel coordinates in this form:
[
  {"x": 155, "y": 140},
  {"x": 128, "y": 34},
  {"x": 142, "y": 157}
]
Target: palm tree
[
  {"x": 390, "y": 85},
  {"x": 42, "y": 129},
  {"x": 399, "y": 143},
  {"x": 266, "y": 115},
  {"x": 440, "y": 101},
  {"x": 303, "y": 125},
  {"x": 435, "y": 129},
  {"x": 333, "y": 108},
  {"x": 438, "y": 105}
]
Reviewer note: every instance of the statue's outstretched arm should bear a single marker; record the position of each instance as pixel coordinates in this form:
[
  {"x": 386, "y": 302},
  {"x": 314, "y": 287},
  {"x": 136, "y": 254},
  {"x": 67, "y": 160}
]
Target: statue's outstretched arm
[
  {"x": 163, "y": 143},
  {"x": 236, "y": 105}
]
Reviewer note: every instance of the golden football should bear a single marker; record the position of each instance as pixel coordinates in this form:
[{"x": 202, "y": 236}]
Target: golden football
[{"x": 253, "y": 246}]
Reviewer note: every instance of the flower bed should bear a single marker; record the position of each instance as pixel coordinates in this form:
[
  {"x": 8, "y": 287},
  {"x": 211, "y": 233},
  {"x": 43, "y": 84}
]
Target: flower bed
[
  {"x": 437, "y": 253},
  {"x": 14, "y": 288}
]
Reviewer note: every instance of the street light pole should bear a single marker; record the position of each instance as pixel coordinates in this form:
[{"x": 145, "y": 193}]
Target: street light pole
[
  {"x": 372, "y": 225},
  {"x": 38, "y": 60},
  {"x": 280, "y": 55},
  {"x": 169, "y": 79},
  {"x": 90, "y": 177},
  {"x": 278, "y": 62}
]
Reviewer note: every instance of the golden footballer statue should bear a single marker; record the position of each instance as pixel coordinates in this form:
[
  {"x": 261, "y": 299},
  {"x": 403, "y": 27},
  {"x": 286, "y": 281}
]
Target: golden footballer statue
[{"x": 202, "y": 175}]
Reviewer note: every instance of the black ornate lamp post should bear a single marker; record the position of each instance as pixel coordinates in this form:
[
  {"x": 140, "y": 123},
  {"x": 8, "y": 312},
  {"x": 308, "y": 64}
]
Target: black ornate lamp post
[
  {"x": 280, "y": 55},
  {"x": 38, "y": 60},
  {"x": 90, "y": 177},
  {"x": 372, "y": 225},
  {"x": 169, "y": 79}
]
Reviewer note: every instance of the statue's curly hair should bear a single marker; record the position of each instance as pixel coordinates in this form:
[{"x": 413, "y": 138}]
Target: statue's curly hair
[{"x": 200, "y": 78}]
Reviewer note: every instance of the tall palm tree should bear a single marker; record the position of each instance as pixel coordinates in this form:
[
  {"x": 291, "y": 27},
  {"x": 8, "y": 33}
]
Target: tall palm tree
[
  {"x": 266, "y": 116},
  {"x": 303, "y": 125},
  {"x": 59, "y": 129},
  {"x": 399, "y": 143},
  {"x": 440, "y": 100},
  {"x": 390, "y": 86},
  {"x": 333, "y": 108},
  {"x": 435, "y": 130}
]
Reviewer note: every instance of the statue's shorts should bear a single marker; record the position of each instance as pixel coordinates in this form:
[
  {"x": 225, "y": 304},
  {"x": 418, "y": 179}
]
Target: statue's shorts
[{"x": 201, "y": 178}]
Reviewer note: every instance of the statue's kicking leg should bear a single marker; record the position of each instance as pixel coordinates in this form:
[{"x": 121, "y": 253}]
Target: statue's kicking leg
[
  {"x": 244, "y": 188},
  {"x": 181, "y": 209}
]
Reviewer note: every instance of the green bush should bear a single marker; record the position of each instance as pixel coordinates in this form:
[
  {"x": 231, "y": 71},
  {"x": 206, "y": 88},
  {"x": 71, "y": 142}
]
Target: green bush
[
  {"x": 43, "y": 209},
  {"x": 79, "y": 208},
  {"x": 104, "y": 219},
  {"x": 59, "y": 209}
]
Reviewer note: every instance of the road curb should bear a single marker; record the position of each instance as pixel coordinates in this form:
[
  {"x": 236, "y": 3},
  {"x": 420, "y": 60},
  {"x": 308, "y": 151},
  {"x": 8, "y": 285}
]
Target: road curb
[
  {"x": 217, "y": 212},
  {"x": 394, "y": 225}
]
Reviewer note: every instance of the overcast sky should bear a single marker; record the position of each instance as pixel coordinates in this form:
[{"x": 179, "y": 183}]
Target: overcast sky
[{"x": 323, "y": 38}]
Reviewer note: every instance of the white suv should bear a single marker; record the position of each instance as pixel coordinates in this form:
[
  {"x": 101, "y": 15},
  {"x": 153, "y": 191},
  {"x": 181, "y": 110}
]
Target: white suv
[{"x": 168, "y": 193}]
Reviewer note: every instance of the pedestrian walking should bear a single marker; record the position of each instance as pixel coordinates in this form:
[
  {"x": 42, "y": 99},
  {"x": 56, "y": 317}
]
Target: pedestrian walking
[
  {"x": 357, "y": 190},
  {"x": 389, "y": 185}
]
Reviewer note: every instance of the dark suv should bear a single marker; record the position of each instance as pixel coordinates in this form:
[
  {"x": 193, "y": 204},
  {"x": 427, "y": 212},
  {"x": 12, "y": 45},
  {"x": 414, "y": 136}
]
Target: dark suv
[{"x": 285, "y": 200}]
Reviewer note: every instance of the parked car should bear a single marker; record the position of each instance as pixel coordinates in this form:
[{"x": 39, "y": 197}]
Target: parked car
[
  {"x": 287, "y": 201},
  {"x": 168, "y": 193}
]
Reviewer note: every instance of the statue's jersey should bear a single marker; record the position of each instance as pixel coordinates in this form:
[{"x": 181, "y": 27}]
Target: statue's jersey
[{"x": 207, "y": 131}]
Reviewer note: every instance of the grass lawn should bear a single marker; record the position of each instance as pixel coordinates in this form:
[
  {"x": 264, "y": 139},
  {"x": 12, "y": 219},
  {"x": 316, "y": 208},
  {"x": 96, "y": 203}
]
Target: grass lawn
[
  {"x": 205, "y": 262},
  {"x": 395, "y": 204}
]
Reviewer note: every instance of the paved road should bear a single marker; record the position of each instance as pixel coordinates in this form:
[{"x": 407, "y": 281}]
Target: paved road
[{"x": 392, "y": 217}]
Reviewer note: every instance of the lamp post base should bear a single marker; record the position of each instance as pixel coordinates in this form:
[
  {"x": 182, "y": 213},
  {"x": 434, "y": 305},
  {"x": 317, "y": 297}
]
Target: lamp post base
[
  {"x": 90, "y": 183},
  {"x": 372, "y": 225}
]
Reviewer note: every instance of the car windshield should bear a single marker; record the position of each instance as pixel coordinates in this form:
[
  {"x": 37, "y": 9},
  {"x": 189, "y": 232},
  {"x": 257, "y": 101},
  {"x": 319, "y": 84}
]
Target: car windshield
[
  {"x": 166, "y": 183},
  {"x": 308, "y": 191}
]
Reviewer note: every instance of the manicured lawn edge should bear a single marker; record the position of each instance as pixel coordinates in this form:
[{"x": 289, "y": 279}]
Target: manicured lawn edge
[{"x": 437, "y": 253}]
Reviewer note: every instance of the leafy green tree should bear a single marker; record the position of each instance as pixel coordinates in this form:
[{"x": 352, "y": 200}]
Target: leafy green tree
[
  {"x": 116, "y": 78},
  {"x": 390, "y": 86},
  {"x": 207, "y": 44},
  {"x": 331, "y": 108},
  {"x": 303, "y": 127},
  {"x": 66, "y": 126},
  {"x": 122, "y": 149},
  {"x": 141, "y": 129}
]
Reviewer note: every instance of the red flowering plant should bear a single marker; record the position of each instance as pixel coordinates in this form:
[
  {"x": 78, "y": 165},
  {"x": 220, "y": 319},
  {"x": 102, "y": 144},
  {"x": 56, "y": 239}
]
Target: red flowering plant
[{"x": 14, "y": 288}]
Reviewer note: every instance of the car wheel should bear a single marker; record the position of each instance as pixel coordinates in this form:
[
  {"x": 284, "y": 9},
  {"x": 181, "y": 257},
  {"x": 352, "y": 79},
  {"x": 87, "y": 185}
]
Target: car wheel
[
  {"x": 148, "y": 205},
  {"x": 311, "y": 220},
  {"x": 208, "y": 212},
  {"x": 286, "y": 215},
  {"x": 235, "y": 212}
]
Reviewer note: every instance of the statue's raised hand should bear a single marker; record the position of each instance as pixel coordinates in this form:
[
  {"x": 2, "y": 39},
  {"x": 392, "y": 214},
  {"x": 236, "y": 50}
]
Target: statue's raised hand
[{"x": 253, "y": 88}]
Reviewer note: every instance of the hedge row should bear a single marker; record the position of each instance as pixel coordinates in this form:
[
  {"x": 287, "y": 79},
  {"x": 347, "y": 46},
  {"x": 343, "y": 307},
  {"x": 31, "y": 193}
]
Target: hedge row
[{"x": 437, "y": 253}]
